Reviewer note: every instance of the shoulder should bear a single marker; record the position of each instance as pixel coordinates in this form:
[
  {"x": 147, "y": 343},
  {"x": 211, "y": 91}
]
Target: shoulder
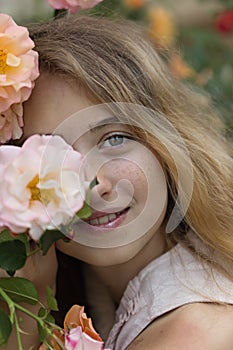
[{"x": 194, "y": 326}]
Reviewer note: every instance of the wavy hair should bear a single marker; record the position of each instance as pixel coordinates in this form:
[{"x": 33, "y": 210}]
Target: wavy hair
[{"x": 115, "y": 61}]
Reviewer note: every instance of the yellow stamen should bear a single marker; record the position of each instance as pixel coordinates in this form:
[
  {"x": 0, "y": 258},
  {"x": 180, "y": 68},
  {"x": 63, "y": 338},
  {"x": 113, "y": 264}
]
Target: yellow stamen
[
  {"x": 45, "y": 196},
  {"x": 3, "y": 65},
  {"x": 35, "y": 191}
]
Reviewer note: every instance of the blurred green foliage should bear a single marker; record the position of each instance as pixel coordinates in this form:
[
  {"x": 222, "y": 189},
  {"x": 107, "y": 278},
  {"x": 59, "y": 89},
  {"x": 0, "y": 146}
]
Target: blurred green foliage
[
  {"x": 204, "y": 48},
  {"x": 207, "y": 51}
]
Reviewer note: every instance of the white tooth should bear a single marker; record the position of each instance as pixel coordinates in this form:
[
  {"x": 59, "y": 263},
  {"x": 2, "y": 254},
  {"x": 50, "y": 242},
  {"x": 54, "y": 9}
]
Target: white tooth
[
  {"x": 94, "y": 222},
  {"x": 103, "y": 219},
  {"x": 112, "y": 216}
]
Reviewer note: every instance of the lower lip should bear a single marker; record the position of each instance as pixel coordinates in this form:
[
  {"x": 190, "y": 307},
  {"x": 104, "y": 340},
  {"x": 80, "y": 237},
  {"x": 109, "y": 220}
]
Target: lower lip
[{"x": 111, "y": 224}]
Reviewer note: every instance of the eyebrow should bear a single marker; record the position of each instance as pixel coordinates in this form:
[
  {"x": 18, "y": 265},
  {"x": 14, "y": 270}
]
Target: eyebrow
[{"x": 96, "y": 127}]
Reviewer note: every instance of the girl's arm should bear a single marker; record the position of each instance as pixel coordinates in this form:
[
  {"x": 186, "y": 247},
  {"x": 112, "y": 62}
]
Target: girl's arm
[
  {"x": 41, "y": 270},
  {"x": 197, "y": 326}
]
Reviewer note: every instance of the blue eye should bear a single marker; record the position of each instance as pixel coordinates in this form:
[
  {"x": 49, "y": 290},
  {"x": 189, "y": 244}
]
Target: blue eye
[{"x": 114, "y": 140}]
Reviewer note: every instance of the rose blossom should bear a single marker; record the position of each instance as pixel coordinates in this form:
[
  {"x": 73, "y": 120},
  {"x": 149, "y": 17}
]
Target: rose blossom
[
  {"x": 40, "y": 185},
  {"x": 18, "y": 70},
  {"x": 78, "y": 333},
  {"x": 73, "y": 5},
  {"x": 75, "y": 339},
  {"x": 11, "y": 123},
  {"x": 76, "y": 317}
]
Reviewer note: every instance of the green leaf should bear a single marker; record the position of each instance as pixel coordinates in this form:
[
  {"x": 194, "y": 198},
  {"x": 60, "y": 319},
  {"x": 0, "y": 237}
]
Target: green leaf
[
  {"x": 93, "y": 183},
  {"x": 47, "y": 318},
  {"x": 24, "y": 239},
  {"x": 5, "y": 235},
  {"x": 19, "y": 289},
  {"x": 51, "y": 301},
  {"x": 12, "y": 255},
  {"x": 42, "y": 312},
  {"x": 84, "y": 212},
  {"x": 5, "y": 328},
  {"x": 48, "y": 238}
]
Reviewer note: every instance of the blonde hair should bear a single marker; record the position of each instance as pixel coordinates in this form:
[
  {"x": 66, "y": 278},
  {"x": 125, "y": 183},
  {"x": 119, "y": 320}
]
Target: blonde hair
[{"x": 116, "y": 62}]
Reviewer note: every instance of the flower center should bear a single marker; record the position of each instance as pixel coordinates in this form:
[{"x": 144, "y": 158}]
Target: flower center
[
  {"x": 3, "y": 64},
  {"x": 35, "y": 191},
  {"x": 43, "y": 195}
]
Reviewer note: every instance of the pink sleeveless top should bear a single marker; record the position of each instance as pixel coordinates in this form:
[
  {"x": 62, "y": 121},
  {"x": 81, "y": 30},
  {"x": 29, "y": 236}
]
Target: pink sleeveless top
[{"x": 174, "y": 279}]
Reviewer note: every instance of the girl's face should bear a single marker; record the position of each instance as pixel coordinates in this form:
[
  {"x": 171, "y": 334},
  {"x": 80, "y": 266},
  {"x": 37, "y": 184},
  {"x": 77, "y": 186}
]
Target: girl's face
[{"x": 130, "y": 200}]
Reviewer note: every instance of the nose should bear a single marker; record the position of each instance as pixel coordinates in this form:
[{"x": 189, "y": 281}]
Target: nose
[
  {"x": 104, "y": 186},
  {"x": 102, "y": 195},
  {"x": 109, "y": 195}
]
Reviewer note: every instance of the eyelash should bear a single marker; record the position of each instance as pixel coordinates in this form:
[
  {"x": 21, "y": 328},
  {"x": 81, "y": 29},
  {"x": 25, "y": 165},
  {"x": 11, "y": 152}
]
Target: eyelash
[{"x": 112, "y": 136}]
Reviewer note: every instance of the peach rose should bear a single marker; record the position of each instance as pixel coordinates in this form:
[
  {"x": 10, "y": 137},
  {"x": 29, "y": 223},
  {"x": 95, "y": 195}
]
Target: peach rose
[
  {"x": 73, "y": 5},
  {"x": 18, "y": 71},
  {"x": 11, "y": 123},
  {"x": 76, "y": 317}
]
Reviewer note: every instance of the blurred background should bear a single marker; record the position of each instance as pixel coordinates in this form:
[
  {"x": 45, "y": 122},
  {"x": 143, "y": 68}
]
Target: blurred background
[{"x": 199, "y": 31}]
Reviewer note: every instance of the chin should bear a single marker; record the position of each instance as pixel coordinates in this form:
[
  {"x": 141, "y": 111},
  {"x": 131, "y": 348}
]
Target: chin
[{"x": 96, "y": 256}]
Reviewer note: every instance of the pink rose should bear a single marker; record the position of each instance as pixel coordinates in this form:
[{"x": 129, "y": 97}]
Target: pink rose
[
  {"x": 73, "y": 5},
  {"x": 75, "y": 339},
  {"x": 78, "y": 333},
  {"x": 18, "y": 70},
  {"x": 40, "y": 186}
]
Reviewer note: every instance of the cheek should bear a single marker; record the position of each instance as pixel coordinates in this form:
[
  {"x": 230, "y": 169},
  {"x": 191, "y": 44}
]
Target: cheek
[
  {"x": 134, "y": 175},
  {"x": 145, "y": 177}
]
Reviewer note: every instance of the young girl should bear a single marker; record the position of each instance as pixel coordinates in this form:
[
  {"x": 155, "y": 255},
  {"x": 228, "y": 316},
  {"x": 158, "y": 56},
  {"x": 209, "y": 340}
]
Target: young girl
[{"x": 159, "y": 242}]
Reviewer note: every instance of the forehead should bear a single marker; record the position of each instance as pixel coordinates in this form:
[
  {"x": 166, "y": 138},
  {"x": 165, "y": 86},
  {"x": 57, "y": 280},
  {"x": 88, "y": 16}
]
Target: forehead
[
  {"x": 53, "y": 100},
  {"x": 60, "y": 107}
]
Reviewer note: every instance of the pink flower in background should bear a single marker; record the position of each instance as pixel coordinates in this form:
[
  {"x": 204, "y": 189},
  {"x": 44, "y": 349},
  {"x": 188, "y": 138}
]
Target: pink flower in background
[
  {"x": 18, "y": 70},
  {"x": 73, "y": 5},
  {"x": 40, "y": 185}
]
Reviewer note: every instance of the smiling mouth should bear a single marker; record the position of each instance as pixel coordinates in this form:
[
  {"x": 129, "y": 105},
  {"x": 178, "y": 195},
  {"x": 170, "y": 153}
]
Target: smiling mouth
[{"x": 106, "y": 219}]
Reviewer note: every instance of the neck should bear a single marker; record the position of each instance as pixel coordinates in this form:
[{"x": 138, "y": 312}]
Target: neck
[{"x": 116, "y": 277}]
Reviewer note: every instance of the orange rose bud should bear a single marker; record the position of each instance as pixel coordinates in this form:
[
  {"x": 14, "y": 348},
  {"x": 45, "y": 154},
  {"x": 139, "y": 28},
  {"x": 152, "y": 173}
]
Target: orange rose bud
[{"x": 76, "y": 317}]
